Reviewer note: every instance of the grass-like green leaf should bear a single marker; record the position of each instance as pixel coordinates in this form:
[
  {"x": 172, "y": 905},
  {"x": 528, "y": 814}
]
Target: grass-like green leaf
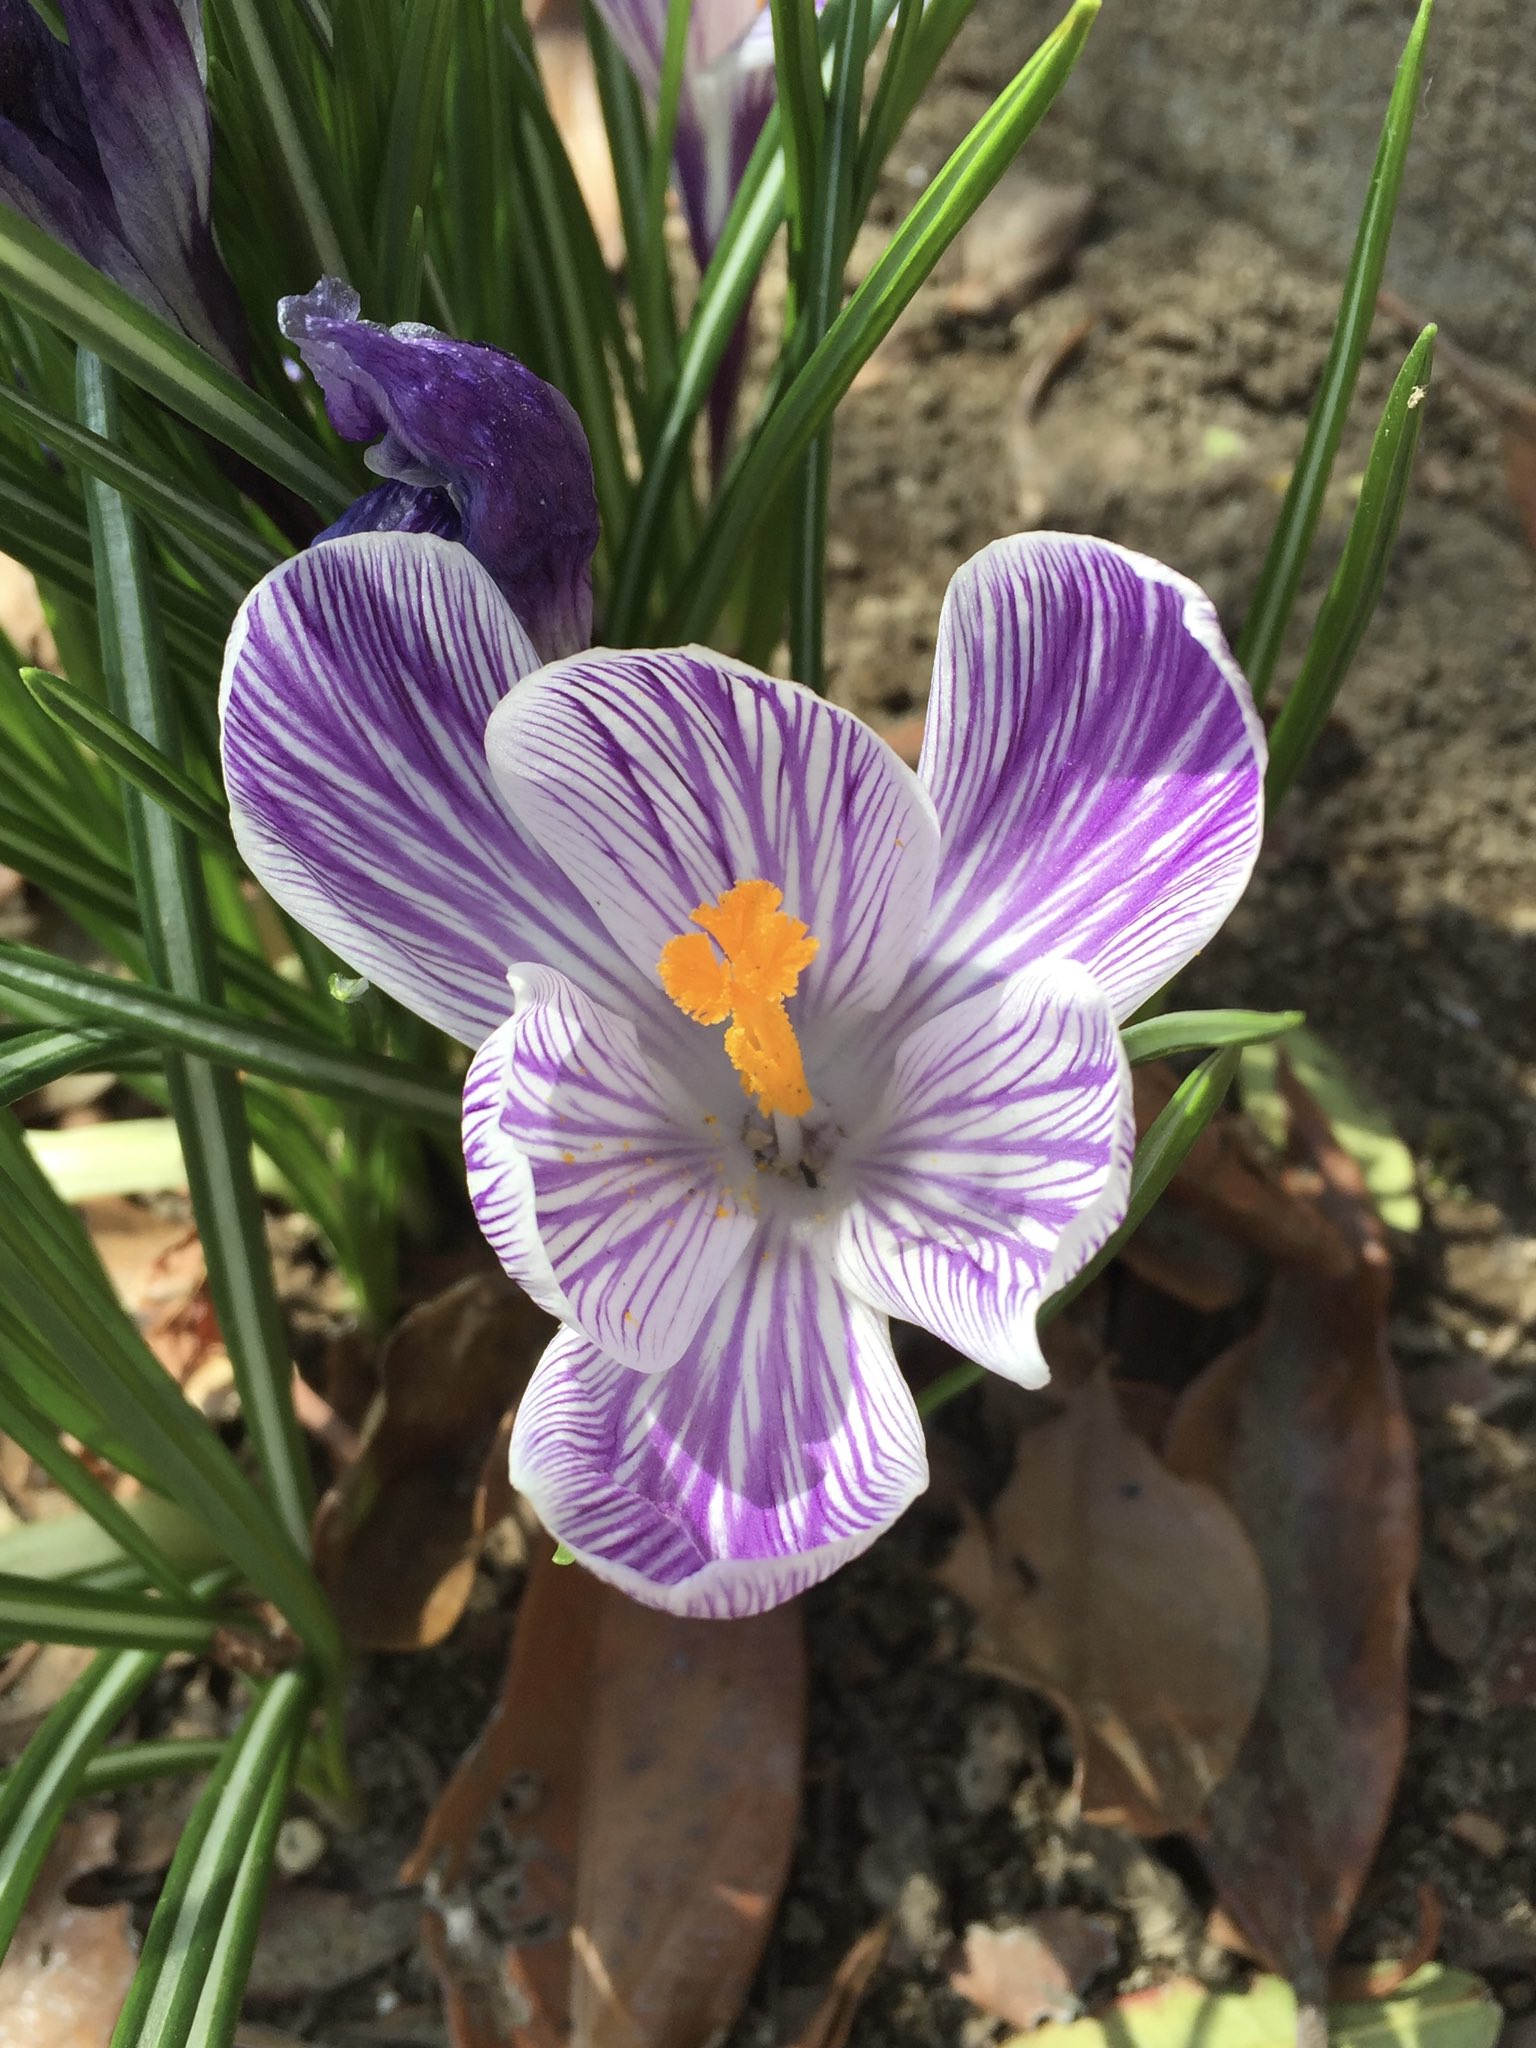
[
  {"x": 179, "y": 939},
  {"x": 1258, "y": 646},
  {"x": 41, "y": 1613},
  {"x": 172, "y": 504},
  {"x": 223, "y": 1993},
  {"x": 185, "y": 1934},
  {"x": 140, "y": 765},
  {"x": 764, "y": 465},
  {"x": 30, "y": 1059},
  {"x": 1158, "y": 1038},
  {"x": 274, "y": 1050},
  {"x": 828, "y": 235},
  {"x": 1158, "y": 1158},
  {"x": 141, "y": 1763},
  {"x": 410, "y": 144},
  {"x": 53, "y": 1288},
  {"x": 803, "y": 113},
  {"x": 280, "y": 104},
  {"x": 1347, "y": 609},
  {"x": 37, "y": 1791},
  {"x": 61, "y": 288}
]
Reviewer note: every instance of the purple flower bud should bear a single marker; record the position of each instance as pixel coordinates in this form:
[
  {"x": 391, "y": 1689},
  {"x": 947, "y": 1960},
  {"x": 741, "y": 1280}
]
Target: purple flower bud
[{"x": 476, "y": 447}]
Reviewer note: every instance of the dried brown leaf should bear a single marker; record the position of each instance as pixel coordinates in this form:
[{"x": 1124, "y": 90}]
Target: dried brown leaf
[
  {"x": 1033, "y": 1971},
  {"x": 1024, "y": 233},
  {"x": 1302, "y": 1427},
  {"x": 397, "y": 1537},
  {"x": 1133, "y": 1598},
  {"x": 652, "y": 1766},
  {"x": 692, "y": 1793},
  {"x": 66, "y": 1973}
]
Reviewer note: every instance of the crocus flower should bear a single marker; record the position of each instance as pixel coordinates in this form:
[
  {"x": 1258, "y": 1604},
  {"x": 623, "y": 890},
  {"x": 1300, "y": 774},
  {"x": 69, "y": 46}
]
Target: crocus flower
[
  {"x": 476, "y": 447},
  {"x": 795, "y": 1039},
  {"x": 727, "y": 88},
  {"x": 105, "y": 144}
]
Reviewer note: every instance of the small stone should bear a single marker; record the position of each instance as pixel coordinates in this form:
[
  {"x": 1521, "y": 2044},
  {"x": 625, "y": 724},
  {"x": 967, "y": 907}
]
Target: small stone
[{"x": 300, "y": 1845}]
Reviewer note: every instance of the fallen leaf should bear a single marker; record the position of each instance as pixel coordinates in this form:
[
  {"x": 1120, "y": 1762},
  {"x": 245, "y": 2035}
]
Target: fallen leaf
[
  {"x": 155, "y": 1263},
  {"x": 1438, "y": 2008},
  {"x": 644, "y": 1774},
  {"x": 66, "y": 1973},
  {"x": 397, "y": 1537},
  {"x": 832, "y": 2021},
  {"x": 1302, "y": 1427},
  {"x": 1226, "y": 1181},
  {"x": 1133, "y": 1598},
  {"x": 1034, "y": 1971},
  {"x": 695, "y": 1749},
  {"x": 1018, "y": 239}
]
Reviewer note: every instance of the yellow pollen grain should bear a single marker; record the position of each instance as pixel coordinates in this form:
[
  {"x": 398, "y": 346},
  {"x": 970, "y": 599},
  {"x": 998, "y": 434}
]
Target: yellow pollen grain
[
  {"x": 740, "y": 969},
  {"x": 569, "y": 1158}
]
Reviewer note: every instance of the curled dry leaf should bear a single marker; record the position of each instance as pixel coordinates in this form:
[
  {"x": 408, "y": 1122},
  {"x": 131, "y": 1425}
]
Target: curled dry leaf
[
  {"x": 1131, "y": 1597},
  {"x": 66, "y": 1973},
  {"x": 1302, "y": 1427},
  {"x": 1034, "y": 1971},
  {"x": 653, "y": 1767},
  {"x": 397, "y": 1537}
]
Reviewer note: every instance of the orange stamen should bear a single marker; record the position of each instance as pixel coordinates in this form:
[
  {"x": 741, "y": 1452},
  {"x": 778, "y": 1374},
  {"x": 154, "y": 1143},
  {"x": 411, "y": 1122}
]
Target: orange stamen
[{"x": 765, "y": 951}]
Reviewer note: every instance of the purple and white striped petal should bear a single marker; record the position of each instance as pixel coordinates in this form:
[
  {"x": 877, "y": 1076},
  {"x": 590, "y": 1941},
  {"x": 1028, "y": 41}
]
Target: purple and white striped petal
[
  {"x": 634, "y": 1210},
  {"x": 659, "y": 780},
  {"x": 1097, "y": 765},
  {"x": 999, "y": 1164},
  {"x": 462, "y": 420},
  {"x": 357, "y": 684},
  {"x": 778, "y": 1447}
]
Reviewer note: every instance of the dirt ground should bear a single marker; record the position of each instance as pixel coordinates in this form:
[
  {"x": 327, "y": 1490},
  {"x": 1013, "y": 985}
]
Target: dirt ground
[{"x": 1396, "y": 904}]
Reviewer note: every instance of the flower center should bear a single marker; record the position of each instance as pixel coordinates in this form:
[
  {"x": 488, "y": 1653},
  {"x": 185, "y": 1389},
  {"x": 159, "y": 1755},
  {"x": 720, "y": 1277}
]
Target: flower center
[{"x": 762, "y": 952}]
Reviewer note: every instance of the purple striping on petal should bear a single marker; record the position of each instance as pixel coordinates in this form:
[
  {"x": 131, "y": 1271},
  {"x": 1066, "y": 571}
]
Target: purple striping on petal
[
  {"x": 779, "y": 1446},
  {"x": 1097, "y": 767},
  {"x": 357, "y": 684},
  {"x": 460, "y": 418},
  {"x": 659, "y": 780},
  {"x": 999, "y": 1164},
  {"x": 635, "y": 1217}
]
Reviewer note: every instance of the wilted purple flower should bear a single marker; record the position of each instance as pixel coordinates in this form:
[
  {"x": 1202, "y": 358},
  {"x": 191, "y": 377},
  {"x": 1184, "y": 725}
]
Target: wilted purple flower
[
  {"x": 799, "y": 1039},
  {"x": 105, "y": 144},
  {"x": 476, "y": 447},
  {"x": 726, "y": 91}
]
